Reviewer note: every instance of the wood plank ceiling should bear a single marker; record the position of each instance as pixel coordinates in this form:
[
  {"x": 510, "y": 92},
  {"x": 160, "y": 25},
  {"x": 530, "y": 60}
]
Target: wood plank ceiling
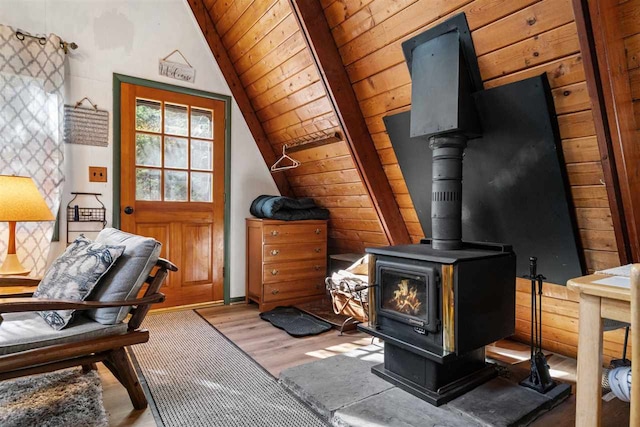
[
  {"x": 514, "y": 40},
  {"x": 276, "y": 69}
]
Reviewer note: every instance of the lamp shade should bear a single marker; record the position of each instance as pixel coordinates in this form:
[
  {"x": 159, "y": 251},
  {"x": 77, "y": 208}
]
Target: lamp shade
[{"x": 21, "y": 201}]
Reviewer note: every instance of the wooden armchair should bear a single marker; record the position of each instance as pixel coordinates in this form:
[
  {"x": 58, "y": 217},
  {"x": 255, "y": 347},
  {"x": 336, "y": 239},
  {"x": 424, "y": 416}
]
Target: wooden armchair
[{"x": 94, "y": 343}]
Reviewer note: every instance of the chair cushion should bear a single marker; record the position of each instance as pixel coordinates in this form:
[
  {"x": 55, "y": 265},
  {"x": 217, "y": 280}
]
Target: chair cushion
[
  {"x": 73, "y": 275},
  {"x": 24, "y": 331},
  {"x": 124, "y": 280}
]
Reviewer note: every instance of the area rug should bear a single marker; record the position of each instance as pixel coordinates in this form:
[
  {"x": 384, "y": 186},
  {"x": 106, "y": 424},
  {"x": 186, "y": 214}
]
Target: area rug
[
  {"x": 63, "y": 398},
  {"x": 295, "y": 322},
  {"x": 197, "y": 377}
]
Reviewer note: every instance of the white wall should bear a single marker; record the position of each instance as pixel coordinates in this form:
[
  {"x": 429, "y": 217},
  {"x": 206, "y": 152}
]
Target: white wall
[{"x": 128, "y": 37}]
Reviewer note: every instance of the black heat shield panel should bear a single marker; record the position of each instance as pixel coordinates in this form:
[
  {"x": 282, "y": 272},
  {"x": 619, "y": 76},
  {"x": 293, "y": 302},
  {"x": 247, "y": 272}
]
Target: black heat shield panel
[
  {"x": 514, "y": 186},
  {"x": 443, "y": 103}
]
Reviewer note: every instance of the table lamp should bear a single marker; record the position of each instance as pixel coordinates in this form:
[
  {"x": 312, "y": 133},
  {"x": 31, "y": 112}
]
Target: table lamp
[{"x": 20, "y": 200}]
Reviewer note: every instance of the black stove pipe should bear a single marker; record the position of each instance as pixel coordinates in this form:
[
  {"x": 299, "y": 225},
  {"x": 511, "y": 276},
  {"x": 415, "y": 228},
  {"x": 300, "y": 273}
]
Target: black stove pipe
[
  {"x": 444, "y": 75},
  {"x": 446, "y": 193}
]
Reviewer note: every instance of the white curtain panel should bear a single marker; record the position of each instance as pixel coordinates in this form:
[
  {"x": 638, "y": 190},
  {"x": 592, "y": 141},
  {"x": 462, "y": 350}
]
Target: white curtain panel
[{"x": 31, "y": 116}]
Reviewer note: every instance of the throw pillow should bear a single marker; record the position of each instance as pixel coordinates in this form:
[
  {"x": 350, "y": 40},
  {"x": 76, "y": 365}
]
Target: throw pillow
[
  {"x": 125, "y": 279},
  {"x": 73, "y": 275}
]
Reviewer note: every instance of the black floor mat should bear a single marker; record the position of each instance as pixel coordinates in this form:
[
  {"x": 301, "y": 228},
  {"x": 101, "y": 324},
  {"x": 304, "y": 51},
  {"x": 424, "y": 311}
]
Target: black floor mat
[{"x": 295, "y": 322}]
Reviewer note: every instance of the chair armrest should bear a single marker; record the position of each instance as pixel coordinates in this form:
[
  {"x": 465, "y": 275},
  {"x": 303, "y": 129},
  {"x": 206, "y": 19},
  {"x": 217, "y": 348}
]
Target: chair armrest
[
  {"x": 17, "y": 305},
  {"x": 166, "y": 264},
  {"x": 18, "y": 281},
  {"x": 16, "y": 294}
]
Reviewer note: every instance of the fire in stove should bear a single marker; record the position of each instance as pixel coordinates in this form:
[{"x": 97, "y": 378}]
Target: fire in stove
[{"x": 405, "y": 299}]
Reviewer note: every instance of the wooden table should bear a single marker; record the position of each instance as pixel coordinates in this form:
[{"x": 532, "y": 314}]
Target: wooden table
[
  {"x": 14, "y": 286},
  {"x": 599, "y": 301}
]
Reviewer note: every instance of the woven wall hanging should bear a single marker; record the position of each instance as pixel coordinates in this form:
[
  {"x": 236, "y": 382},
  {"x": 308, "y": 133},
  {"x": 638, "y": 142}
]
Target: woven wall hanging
[{"x": 87, "y": 126}]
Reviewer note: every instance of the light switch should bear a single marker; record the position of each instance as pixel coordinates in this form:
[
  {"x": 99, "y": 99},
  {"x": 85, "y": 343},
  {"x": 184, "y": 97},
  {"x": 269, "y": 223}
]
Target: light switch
[{"x": 97, "y": 174}]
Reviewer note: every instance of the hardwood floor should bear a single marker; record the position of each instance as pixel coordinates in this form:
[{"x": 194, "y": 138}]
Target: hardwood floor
[
  {"x": 275, "y": 350},
  {"x": 117, "y": 403}
]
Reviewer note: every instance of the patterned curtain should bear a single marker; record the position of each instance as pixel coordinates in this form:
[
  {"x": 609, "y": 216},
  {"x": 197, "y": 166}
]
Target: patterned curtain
[{"x": 31, "y": 112}]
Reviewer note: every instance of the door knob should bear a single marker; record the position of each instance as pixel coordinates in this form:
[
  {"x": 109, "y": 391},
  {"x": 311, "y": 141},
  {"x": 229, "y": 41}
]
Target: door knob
[{"x": 128, "y": 210}]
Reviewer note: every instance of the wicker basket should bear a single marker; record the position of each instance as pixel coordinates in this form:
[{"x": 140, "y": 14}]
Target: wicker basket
[
  {"x": 349, "y": 291},
  {"x": 347, "y": 305}
]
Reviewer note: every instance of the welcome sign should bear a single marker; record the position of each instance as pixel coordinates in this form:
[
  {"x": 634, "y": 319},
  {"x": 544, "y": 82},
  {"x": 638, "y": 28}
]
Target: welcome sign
[{"x": 175, "y": 70}]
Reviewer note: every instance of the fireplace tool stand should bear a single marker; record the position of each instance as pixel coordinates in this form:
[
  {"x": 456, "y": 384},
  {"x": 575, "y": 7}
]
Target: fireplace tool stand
[{"x": 539, "y": 378}]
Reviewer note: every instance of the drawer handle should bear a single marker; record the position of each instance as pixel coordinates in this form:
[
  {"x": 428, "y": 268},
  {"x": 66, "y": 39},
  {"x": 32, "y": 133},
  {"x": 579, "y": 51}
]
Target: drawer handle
[
  {"x": 316, "y": 267},
  {"x": 318, "y": 231},
  {"x": 274, "y": 272},
  {"x": 275, "y": 292},
  {"x": 274, "y": 233},
  {"x": 275, "y": 252},
  {"x": 317, "y": 250}
]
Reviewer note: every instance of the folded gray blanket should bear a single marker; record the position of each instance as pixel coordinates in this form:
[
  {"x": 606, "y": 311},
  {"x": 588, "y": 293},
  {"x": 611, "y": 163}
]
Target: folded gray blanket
[{"x": 287, "y": 208}]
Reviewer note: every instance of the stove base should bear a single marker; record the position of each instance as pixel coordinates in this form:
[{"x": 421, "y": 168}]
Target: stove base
[
  {"x": 436, "y": 382},
  {"x": 441, "y": 396}
]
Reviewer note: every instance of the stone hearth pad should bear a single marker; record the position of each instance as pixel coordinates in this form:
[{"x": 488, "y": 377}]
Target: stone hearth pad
[
  {"x": 343, "y": 389},
  {"x": 335, "y": 382},
  {"x": 501, "y": 402},
  {"x": 396, "y": 407}
]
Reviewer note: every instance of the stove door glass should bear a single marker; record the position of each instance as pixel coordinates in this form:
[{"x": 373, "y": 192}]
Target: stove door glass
[{"x": 404, "y": 293}]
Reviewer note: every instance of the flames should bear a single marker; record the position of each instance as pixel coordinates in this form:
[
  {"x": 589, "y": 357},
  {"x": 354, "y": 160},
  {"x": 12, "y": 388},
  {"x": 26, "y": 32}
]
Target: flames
[{"x": 405, "y": 299}]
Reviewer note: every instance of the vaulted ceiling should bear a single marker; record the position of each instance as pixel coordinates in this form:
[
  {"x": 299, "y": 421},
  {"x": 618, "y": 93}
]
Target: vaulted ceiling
[{"x": 302, "y": 70}]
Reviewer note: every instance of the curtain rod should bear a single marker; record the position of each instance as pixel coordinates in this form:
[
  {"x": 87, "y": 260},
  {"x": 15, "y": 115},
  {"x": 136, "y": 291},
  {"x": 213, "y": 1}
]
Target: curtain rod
[{"x": 42, "y": 40}]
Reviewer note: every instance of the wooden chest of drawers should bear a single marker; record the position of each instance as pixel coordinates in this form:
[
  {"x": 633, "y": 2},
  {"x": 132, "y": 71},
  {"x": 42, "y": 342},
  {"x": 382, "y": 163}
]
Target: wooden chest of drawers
[{"x": 286, "y": 261}]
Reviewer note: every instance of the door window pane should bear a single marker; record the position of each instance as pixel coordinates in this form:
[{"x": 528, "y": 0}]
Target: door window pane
[
  {"x": 147, "y": 184},
  {"x": 175, "y": 186},
  {"x": 148, "y": 150},
  {"x": 176, "y": 121},
  {"x": 175, "y": 152},
  {"x": 201, "y": 155},
  {"x": 148, "y": 115},
  {"x": 201, "y": 123},
  {"x": 201, "y": 187}
]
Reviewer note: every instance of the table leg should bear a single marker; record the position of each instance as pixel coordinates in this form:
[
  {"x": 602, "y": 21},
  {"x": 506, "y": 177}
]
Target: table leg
[{"x": 589, "y": 383}]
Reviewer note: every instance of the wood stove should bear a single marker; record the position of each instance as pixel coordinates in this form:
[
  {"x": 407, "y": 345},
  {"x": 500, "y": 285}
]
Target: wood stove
[
  {"x": 438, "y": 303},
  {"x": 436, "y": 310}
]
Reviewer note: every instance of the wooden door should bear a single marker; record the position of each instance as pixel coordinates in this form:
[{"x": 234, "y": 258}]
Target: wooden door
[{"x": 172, "y": 188}]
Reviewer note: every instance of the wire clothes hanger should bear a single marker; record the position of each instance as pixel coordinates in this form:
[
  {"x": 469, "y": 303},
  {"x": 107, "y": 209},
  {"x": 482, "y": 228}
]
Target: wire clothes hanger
[{"x": 294, "y": 163}]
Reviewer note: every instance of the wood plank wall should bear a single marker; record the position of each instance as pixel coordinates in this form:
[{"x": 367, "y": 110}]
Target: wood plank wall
[
  {"x": 513, "y": 40},
  {"x": 560, "y": 322},
  {"x": 629, "y": 13},
  {"x": 275, "y": 67}
]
